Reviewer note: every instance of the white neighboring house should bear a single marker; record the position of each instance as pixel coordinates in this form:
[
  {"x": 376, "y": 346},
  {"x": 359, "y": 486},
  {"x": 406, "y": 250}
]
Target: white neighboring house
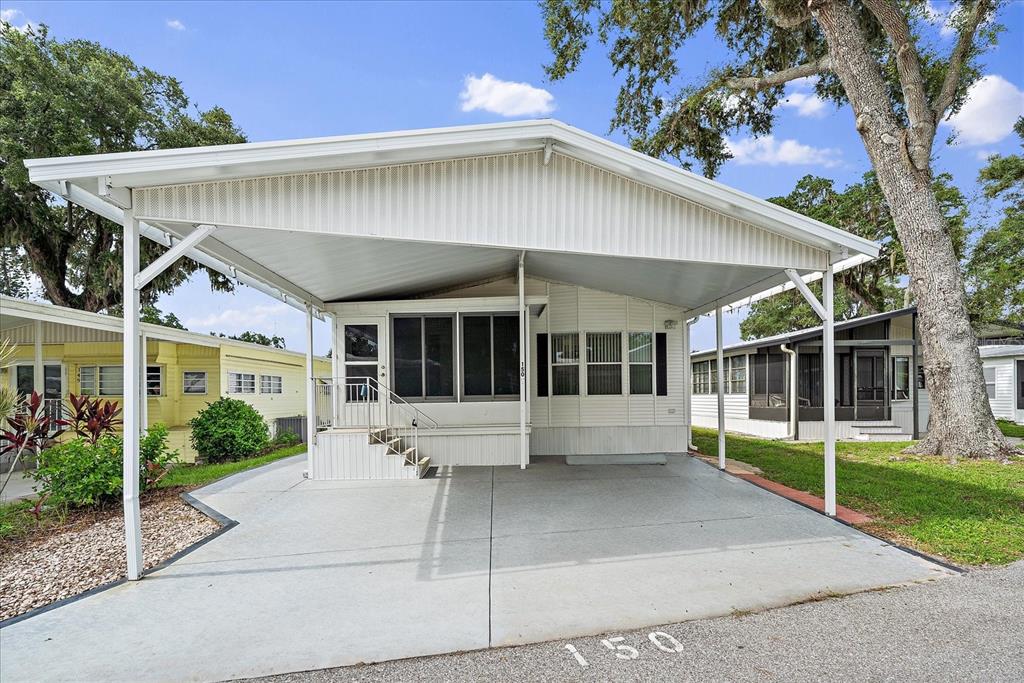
[
  {"x": 1003, "y": 366},
  {"x": 879, "y": 382}
]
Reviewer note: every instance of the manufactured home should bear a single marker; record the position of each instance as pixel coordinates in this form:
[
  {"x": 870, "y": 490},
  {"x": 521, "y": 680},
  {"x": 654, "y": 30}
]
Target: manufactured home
[
  {"x": 502, "y": 290},
  {"x": 1003, "y": 365},
  {"x": 773, "y": 386},
  {"x": 61, "y": 350}
]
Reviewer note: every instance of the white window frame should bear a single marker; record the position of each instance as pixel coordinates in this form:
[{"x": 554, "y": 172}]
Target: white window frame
[
  {"x": 236, "y": 379},
  {"x": 99, "y": 386},
  {"x": 630, "y": 362},
  {"x": 619, "y": 363},
  {"x": 990, "y": 384},
  {"x": 897, "y": 360},
  {"x": 731, "y": 381},
  {"x": 159, "y": 386},
  {"x": 563, "y": 361},
  {"x": 268, "y": 385},
  {"x": 184, "y": 382}
]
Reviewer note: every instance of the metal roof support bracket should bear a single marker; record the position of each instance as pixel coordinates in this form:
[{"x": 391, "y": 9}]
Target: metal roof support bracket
[
  {"x": 121, "y": 197},
  {"x": 175, "y": 252},
  {"x": 807, "y": 293}
]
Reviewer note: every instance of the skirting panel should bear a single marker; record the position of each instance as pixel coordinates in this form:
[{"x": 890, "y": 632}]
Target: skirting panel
[
  {"x": 607, "y": 440},
  {"x": 470, "y": 449},
  {"x": 349, "y": 455}
]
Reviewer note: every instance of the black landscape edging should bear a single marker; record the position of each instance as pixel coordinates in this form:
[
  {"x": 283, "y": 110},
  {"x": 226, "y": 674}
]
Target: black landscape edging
[
  {"x": 226, "y": 523},
  {"x": 911, "y": 551}
]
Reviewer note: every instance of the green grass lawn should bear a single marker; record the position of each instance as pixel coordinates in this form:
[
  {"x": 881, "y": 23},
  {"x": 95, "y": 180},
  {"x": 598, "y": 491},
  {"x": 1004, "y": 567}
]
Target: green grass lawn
[
  {"x": 16, "y": 518},
  {"x": 971, "y": 513},
  {"x": 197, "y": 475},
  {"x": 1010, "y": 428}
]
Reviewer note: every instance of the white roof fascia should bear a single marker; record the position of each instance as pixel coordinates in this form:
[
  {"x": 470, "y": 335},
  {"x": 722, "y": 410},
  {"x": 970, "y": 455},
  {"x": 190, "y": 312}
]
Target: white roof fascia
[{"x": 199, "y": 164}]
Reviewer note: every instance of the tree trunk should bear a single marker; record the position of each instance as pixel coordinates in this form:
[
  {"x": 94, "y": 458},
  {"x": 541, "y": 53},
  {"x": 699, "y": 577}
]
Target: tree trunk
[{"x": 961, "y": 422}]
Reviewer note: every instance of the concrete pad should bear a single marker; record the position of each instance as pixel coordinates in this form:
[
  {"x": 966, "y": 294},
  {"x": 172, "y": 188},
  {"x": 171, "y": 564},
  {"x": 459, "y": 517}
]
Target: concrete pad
[
  {"x": 321, "y": 574},
  {"x": 20, "y": 486}
]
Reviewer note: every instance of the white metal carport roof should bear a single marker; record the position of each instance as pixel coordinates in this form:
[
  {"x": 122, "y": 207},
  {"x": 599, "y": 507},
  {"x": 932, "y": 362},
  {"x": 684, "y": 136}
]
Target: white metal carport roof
[{"x": 319, "y": 264}]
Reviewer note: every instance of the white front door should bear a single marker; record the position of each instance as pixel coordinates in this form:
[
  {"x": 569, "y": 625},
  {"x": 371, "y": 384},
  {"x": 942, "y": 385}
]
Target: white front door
[{"x": 363, "y": 345}]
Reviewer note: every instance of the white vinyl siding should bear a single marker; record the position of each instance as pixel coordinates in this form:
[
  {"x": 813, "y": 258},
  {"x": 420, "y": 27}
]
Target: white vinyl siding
[{"x": 241, "y": 383}]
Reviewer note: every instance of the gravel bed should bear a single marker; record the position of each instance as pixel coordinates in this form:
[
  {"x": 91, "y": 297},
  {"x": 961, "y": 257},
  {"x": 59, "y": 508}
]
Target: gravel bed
[
  {"x": 88, "y": 551},
  {"x": 965, "y": 628}
]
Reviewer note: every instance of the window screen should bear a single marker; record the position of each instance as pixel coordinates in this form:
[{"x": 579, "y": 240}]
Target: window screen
[
  {"x": 270, "y": 384},
  {"x": 241, "y": 383},
  {"x": 565, "y": 361},
  {"x": 542, "y": 365},
  {"x": 661, "y": 362},
  {"x": 154, "y": 380},
  {"x": 641, "y": 363},
  {"x": 193, "y": 382}
]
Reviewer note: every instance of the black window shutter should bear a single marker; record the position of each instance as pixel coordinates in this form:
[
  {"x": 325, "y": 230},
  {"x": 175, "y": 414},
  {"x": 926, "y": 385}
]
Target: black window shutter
[
  {"x": 542, "y": 365},
  {"x": 661, "y": 362}
]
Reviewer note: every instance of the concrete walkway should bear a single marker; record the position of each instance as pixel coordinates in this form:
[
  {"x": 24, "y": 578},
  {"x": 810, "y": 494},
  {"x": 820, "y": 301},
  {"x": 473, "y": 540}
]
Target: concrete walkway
[
  {"x": 20, "y": 486},
  {"x": 321, "y": 574}
]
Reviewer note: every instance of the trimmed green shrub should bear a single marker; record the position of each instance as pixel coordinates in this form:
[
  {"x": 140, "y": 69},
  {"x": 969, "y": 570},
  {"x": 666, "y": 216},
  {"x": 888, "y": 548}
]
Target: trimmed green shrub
[
  {"x": 80, "y": 473},
  {"x": 285, "y": 439},
  {"x": 228, "y": 429}
]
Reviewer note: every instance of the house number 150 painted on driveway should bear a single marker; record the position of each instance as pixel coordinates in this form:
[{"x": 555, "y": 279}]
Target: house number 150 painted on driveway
[{"x": 663, "y": 641}]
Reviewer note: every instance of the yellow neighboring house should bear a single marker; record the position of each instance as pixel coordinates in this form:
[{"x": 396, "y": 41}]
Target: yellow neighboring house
[{"x": 62, "y": 350}]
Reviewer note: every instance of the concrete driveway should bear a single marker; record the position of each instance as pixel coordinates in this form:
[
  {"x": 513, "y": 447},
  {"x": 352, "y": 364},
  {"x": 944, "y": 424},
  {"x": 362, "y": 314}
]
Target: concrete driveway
[{"x": 322, "y": 574}]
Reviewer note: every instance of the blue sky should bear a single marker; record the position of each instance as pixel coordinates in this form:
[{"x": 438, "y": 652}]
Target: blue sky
[{"x": 294, "y": 70}]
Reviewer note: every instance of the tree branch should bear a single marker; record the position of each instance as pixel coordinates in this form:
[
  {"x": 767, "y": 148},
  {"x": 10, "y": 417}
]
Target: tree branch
[
  {"x": 908, "y": 67},
  {"x": 780, "y": 77},
  {"x": 785, "y": 17},
  {"x": 961, "y": 52}
]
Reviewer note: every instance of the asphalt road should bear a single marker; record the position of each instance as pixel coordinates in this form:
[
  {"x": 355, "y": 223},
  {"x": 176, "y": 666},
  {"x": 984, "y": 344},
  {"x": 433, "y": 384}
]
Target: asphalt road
[{"x": 968, "y": 628}]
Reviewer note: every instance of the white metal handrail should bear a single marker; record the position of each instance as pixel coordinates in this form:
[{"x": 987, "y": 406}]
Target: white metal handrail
[{"x": 368, "y": 403}]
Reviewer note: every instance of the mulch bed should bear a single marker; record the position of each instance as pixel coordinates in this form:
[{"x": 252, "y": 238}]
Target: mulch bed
[{"x": 87, "y": 550}]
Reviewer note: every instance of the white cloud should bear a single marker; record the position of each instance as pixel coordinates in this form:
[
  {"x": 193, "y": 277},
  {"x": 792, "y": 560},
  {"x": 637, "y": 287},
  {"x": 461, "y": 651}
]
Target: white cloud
[
  {"x": 942, "y": 15},
  {"x": 508, "y": 98},
  {"x": 984, "y": 154},
  {"x": 767, "y": 151},
  {"x": 806, "y": 104},
  {"x": 11, "y": 17},
  {"x": 175, "y": 24},
  {"x": 259, "y": 318},
  {"x": 992, "y": 107}
]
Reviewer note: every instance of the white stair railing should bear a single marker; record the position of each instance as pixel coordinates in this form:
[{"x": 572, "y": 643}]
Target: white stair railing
[{"x": 388, "y": 418}]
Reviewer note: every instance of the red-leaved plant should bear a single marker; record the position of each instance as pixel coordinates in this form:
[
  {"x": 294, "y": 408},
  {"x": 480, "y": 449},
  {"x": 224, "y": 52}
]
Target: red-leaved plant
[
  {"x": 91, "y": 418},
  {"x": 28, "y": 431}
]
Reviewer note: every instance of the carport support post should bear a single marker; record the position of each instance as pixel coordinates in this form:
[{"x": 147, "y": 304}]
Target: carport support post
[
  {"x": 310, "y": 393},
  {"x": 687, "y": 385},
  {"x": 721, "y": 387},
  {"x": 132, "y": 367},
  {"x": 523, "y": 320},
  {"x": 828, "y": 379}
]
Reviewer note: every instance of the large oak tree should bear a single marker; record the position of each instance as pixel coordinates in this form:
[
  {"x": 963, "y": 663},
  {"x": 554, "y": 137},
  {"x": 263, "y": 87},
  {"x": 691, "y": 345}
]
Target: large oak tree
[
  {"x": 867, "y": 53},
  {"x": 77, "y": 97}
]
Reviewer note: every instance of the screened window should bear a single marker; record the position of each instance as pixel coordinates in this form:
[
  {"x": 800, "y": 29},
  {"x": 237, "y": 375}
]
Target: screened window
[
  {"x": 641, "y": 363},
  {"x": 154, "y": 380},
  {"x": 424, "y": 356},
  {"x": 565, "y": 364},
  {"x": 193, "y": 382},
  {"x": 809, "y": 394},
  {"x": 271, "y": 384},
  {"x": 241, "y": 383},
  {"x": 990, "y": 382},
  {"x": 769, "y": 378},
  {"x": 102, "y": 380},
  {"x": 699, "y": 375},
  {"x": 900, "y": 378},
  {"x": 490, "y": 355},
  {"x": 736, "y": 375},
  {"x": 604, "y": 363}
]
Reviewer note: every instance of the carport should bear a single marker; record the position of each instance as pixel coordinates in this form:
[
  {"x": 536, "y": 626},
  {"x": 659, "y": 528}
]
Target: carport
[
  {"x": 325, "y": 573},
  {"x": 335, "y": 221}
]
